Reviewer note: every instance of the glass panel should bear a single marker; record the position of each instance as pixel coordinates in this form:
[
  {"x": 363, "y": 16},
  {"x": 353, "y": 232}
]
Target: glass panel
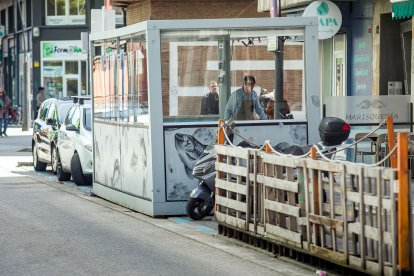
[
  {"x": 223, "y": 58},
  {"x": 50, "y": 7},
  {"x": 71, "y": 67},
  {"x": 51, "y": 114},
  {"x": 60, "y": 7},
  {"x": 63, "y": 110},
  {"x": 77, "y": 7},
  {"x": 129, "y": 101},
  {"x": 75, "y": 120},
  {"x": 71, "y": 87},
  {"x": 52, "y": 78},
  {"x": 339, "y": 42},
  {"x": 69, "y": 115},
  {"x": 44, "y": 110},
  {"x": 339, "y": 76}
]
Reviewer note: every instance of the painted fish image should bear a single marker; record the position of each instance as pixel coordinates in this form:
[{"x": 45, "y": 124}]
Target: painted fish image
[{"x": 189, "y": 150}]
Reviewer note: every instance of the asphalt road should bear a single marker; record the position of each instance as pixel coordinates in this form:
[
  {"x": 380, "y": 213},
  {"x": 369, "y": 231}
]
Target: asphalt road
[{"x": 53, "y": 228}]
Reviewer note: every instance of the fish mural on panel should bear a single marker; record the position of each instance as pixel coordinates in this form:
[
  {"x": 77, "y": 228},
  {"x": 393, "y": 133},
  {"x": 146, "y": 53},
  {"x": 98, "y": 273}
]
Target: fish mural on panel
[{"x": 189, "y": 150}]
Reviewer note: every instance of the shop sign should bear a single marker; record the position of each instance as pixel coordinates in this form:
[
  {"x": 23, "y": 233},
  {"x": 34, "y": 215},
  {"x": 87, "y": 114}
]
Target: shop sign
[
  {"x": 369, "y": 109},
  {"x": 64, "y": 49},
  {"x": 329, "y": 17}
]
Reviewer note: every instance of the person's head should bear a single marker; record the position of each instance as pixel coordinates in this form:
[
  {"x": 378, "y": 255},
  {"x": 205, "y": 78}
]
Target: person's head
[
  {"x": 41, "y": 89},
  {"x": 2, "y": 92},
  {"x": 248, "y": 84},
  {"x": 212, "y": 87}
]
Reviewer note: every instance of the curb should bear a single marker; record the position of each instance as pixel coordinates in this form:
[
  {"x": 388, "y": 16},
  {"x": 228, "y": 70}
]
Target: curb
[{"x": 24, "y": 164}]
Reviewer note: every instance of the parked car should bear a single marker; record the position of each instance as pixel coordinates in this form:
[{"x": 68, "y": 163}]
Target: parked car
[
  {"x": 74, "y": 147},
  {"x": 45, "y": 131}
]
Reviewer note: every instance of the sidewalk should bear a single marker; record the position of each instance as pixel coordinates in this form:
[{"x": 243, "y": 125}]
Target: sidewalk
[{"x": 17, "y": 143}]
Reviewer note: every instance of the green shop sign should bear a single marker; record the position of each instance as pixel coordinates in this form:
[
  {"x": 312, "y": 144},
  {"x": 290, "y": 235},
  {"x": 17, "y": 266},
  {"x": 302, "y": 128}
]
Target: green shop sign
[
  {"x": 329, "y": 17},
  {"x": 71, "y": 49}
]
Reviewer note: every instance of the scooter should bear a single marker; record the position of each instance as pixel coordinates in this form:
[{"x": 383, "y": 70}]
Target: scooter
[{"x": 332, "y": 131}]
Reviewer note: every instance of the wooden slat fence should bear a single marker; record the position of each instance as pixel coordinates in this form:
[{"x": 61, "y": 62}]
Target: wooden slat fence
[{"x": 344, "y": 213}]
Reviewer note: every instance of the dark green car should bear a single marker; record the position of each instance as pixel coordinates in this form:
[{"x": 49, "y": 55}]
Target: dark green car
[{"x": 50, "y": 117}]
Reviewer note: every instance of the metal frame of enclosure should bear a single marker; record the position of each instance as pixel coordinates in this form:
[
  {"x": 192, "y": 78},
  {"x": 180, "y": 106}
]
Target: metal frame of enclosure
[{"x": 147, "y": 80}]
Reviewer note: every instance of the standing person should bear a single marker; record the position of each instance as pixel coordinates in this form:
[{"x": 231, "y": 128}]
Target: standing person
[
  {"x": 244, "y": 104},
  {"x": 210, "y": 101},
  {"x": 4, "y": 112},
  {"x": 39, "y": 100}
]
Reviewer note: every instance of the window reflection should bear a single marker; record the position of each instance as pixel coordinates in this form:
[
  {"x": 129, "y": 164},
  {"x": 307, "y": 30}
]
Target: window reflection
[
  {"x": 192, "y": 60},
  {"x": 120, "y": 80}
]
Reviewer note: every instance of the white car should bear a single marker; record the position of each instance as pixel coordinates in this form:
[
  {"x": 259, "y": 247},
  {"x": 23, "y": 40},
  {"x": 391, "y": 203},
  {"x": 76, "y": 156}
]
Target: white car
[{"x": 74, "y": 146}]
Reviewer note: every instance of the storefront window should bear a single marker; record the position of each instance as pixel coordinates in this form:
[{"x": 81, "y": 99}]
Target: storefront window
[
  {"x": 64, "y": 71},
  {"x": 71, "y": 67},
  {"x": 77, "y": 7},
  {"x": 120, "y": 80},
  {"x": 65, "y": 12},
  {"x": 195, "y": 62}
]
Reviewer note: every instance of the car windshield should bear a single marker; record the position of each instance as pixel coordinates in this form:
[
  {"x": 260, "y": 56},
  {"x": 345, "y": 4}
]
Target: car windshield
[
  {"x": 63, "y": 110},
  {"x": 87, "y": 121}
]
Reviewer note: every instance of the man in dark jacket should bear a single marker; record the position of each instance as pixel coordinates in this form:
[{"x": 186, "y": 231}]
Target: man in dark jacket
[{"x": 210, "y": 101}]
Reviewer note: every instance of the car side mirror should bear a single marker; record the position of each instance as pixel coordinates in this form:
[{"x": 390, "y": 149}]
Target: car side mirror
[
  {"x": 71, "y": 128},
  {"x": 50, "y": 122}
]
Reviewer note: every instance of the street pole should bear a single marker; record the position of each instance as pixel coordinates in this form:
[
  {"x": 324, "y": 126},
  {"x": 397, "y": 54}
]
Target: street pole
[
  {"x": 278, "y": 96},
  {"x": 25, "y": 91}
]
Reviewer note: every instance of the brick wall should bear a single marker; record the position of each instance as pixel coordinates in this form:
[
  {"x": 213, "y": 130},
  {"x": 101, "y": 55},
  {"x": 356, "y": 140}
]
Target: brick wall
[
  {"x": 138, "y": 12},
  {"x": 173, "y": 9}
]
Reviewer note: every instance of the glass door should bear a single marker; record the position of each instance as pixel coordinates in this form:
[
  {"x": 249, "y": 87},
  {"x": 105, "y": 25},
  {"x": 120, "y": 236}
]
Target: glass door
[{"x": 71, "y": 85}]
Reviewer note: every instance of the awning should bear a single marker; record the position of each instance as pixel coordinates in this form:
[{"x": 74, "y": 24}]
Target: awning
[{"x": 402, "y": 9}]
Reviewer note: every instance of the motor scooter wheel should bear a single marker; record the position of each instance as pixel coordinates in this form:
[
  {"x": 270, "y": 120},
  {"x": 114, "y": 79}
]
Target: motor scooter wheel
[{"x": 198, "y": 209}]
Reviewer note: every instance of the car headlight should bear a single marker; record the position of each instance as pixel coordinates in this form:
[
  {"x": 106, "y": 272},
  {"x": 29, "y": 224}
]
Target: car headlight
[{"x": 88, "y": 147}]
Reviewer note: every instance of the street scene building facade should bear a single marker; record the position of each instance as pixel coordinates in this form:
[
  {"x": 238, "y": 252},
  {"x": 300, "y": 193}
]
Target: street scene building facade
[{"x": 41, "y": 47}]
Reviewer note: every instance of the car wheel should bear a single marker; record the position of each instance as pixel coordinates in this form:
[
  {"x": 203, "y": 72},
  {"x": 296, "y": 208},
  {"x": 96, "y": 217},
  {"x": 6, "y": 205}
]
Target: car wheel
[
  {"x": 39, "y": 166},
  {"x": 61, "y": 175},
  {"x": 54, "y": 159},
  {"x": 77, "y": 173}
]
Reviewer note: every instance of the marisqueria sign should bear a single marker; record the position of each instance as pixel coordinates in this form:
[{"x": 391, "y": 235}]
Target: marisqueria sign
[{"x": 372, "y": 109}]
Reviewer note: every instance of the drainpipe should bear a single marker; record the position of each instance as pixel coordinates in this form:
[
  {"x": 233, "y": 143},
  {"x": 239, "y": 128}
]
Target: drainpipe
[{"x": 25, "y": 92}]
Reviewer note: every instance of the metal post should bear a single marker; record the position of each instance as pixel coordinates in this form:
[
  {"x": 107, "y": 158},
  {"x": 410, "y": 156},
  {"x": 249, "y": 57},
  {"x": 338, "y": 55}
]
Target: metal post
[
  {"x": 223, "y": 82},
  {"x": 411, "y": 117},
  {"x": 403, "y": 206},
  {"x": 25, "y": 92},
  {"x": 279, "y": 78}
]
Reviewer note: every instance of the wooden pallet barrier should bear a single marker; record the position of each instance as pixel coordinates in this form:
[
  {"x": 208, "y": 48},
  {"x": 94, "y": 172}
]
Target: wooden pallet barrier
[{"x": 344, "y": 213}]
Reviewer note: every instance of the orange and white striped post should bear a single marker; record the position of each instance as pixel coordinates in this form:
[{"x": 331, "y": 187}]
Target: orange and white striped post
[
  {"x": 315, "y": 196},
  {"x": 220, "y": 141},
  {"x": 391, "y": 141},
  {"x": 220, "y": 137},
  {"x": 403, "y": 206}
]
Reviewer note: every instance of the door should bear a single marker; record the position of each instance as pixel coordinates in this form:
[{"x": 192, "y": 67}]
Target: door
[
  {"x": 68, "y": 147},
  {"x": 64, "y": 139},
  {"x": 42, "y": 129},
  {"x": 71, "y": 82}
]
